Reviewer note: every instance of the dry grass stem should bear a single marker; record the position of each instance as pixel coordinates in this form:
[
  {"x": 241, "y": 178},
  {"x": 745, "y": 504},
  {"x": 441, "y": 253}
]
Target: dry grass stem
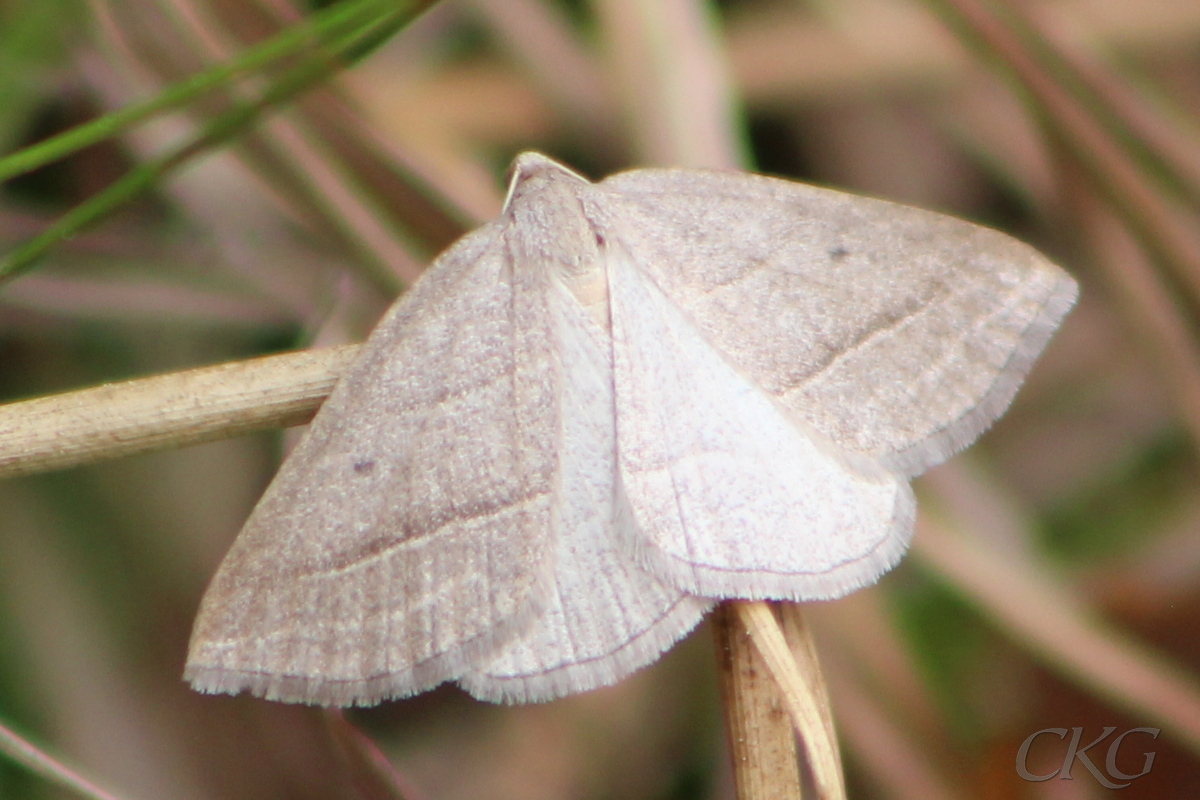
[
  {"x": 800, "y": 640},
  {"x": 373, "y": 776},
  {"x": 172, "y": 410},
  {"x": 1160, "y": 225},
  {"x": 800, "y": 692},
  {"x": 762, "y": 740}
]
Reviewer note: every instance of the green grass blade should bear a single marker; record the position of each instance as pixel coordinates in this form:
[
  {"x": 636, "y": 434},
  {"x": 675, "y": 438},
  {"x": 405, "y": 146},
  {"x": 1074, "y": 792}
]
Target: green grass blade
[
  {"x": 327, "y": 26},
  {"x": 218, "y": 131}
]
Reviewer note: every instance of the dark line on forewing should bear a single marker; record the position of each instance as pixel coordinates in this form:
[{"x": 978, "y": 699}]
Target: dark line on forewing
[
  {"x": 862, "y": 342},
  {"x": 1000, "y": 373},
  {"x": 444, "y": 397},
  {"x": 972, "y": 333},
  {"x": 750, "y": 270},
  {"x": 424, "y": 539}
]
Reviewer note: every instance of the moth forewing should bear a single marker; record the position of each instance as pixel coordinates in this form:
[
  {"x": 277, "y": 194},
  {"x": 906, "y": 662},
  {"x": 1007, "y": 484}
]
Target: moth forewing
[
  {"x": 895, "y": 332},
  {"x": 407, "y": 535}
]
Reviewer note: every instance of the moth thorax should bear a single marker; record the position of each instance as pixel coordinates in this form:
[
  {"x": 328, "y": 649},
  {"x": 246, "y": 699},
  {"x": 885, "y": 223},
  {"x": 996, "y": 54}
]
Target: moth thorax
[
  {"x": 561, "y": 242},
  {"x": 590, "y": 288},
  {"x": 549, "y": 228}
]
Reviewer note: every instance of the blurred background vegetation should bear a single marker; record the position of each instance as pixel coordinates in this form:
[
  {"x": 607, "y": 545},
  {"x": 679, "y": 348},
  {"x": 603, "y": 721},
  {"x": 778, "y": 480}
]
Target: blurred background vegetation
[{"x": 1055, "y": 581}]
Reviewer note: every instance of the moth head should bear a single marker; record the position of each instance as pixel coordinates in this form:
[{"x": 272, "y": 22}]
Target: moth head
[
  {"x": 547, "y": 214},
  {"x": 532, "y": 173}
]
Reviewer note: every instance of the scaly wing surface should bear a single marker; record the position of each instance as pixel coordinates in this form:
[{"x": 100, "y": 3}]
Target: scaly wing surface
[
  {"x": 409, "y": 534},
  {"x": 896, "y": 332},
  {"x": 606, "y": 615},
  {"x": 733, "y": 497}
]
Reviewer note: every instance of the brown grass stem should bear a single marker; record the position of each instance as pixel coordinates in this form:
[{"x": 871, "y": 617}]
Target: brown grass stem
[
  {"x": 172, "y": 410},
  {"x": 371, "y": 773},
  {"x": 762, "y": 741},
  {"x": 803, "y": 691},
  {"x": 1159, "y": 224}
]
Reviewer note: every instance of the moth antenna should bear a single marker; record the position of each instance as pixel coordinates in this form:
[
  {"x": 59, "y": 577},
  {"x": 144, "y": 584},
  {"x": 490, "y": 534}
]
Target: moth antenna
[{"x": 528, "y": 164}]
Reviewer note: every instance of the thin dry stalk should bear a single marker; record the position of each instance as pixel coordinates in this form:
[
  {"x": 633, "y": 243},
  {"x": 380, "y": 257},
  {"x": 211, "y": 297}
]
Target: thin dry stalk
[
  {"x": 761, "y": 738},
  {"x": 26, "y": 753},
  {"x": 804, "y": 649},
  {"x": 1152, "y": 312},
  {"x": 373, "y": 775},
  {"x": 802, "y": 695},
  {"x": 1159, "y": 224},
  {"x": 180, "y": 408}
]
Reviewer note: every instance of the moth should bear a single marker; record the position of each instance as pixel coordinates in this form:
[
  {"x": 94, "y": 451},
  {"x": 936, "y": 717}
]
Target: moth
[{"x": 614, "y": 405}]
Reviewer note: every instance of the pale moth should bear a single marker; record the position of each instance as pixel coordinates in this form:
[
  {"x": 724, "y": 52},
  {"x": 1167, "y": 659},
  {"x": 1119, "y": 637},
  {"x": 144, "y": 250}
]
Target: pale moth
[{"x": 596, "y": 415}]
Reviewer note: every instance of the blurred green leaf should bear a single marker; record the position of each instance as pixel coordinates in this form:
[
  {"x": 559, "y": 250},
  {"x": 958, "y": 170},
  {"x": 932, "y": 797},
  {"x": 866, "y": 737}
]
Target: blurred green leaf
[
  {"x": 949, "y": 641},
  {"x": 1120, "y": 512},
  {"x": 34, "y": 37}
]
